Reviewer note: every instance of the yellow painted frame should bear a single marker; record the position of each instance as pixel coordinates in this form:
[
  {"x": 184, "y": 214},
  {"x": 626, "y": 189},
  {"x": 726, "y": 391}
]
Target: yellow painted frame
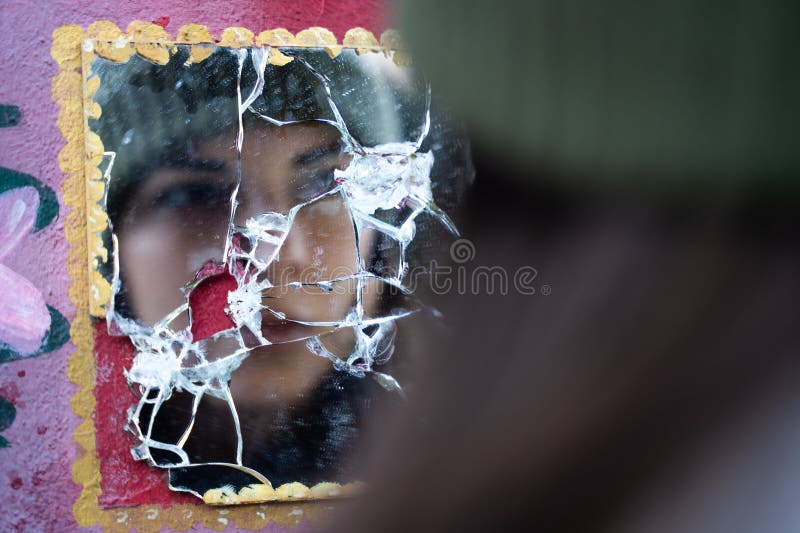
[{"x": 82, "y": 189}]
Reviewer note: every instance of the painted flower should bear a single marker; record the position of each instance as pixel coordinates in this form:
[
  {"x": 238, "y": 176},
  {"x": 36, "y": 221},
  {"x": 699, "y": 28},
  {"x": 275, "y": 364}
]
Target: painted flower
[
  {"x": 28, "y": 326},
  {"x": 24, "y": 315}
]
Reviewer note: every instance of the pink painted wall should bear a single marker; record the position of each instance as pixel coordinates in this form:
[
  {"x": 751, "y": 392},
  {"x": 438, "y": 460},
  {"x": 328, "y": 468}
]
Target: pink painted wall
[{"x": 35, "y": 468}]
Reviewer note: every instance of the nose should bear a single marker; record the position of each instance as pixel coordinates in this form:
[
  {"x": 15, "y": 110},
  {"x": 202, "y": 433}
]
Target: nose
[
  {"x": 294, "y": 256},
  {"x": 283, "y": 244},
  {"x": 252, "y": 201}
]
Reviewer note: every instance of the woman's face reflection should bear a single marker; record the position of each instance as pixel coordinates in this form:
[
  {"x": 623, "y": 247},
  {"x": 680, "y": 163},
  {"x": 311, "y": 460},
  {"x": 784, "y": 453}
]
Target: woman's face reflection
[{"x": 177, "y": 220}]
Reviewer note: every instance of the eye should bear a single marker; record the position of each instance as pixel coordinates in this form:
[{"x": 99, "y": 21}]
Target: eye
[
  {"x": 191, "y": 195},
  {"x": 313, "y": 171},
  {"x": 312, "y": 183}
]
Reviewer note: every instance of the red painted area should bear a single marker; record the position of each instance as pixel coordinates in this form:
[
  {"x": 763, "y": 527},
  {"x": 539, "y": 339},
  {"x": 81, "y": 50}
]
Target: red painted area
[
  {"x": 207, "y": 303},
  {"x": 124, "y": 482},
  {"x": 10, "y": 392},
  {"x": 39, "y": 477}
]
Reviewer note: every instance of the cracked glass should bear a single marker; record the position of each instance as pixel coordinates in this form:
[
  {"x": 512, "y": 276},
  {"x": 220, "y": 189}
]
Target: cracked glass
[{"x": 268, "y": 225}]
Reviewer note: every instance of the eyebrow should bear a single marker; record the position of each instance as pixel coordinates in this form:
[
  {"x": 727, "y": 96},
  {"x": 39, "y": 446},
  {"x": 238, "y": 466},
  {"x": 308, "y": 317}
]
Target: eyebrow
[
  {"x": 315, "y": 154},
  {"x": 193, "y": 163}
]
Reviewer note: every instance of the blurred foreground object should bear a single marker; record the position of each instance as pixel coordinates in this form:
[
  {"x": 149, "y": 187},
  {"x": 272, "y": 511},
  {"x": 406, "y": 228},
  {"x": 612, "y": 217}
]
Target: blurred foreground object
[
  {"x": 668, "y": 88},
  {"x": 642, "y": 158}
]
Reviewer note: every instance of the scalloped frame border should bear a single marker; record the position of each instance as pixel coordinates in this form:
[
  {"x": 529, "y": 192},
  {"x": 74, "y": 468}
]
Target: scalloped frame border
[{"x": 83, "y": 188}]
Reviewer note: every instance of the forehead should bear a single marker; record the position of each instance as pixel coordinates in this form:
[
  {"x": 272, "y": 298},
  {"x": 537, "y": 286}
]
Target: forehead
[{"x": 261, "y": 140}]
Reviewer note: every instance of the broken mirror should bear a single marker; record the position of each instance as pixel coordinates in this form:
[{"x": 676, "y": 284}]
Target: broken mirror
[{"x": 266, "y": 214}]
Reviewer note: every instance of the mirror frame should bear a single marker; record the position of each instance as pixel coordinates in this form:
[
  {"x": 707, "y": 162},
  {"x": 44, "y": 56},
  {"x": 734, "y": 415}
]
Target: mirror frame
[{"x": 74, "y": 50}]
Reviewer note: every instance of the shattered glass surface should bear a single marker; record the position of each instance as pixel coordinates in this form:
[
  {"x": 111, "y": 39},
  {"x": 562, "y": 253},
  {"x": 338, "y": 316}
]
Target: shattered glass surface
[{"x": 264, "y": 224}]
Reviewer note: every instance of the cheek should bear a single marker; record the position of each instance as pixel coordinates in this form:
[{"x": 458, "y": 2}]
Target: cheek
[
  {"x": 337, "y": 252},
  {"x": 158, "y": 258},
  {"x": 328, "y": 238},
  {"x": 149, "y": 273}
]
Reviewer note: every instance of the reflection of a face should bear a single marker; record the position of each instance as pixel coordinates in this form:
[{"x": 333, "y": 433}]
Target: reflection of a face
[{"x": 176, "y": 221}]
